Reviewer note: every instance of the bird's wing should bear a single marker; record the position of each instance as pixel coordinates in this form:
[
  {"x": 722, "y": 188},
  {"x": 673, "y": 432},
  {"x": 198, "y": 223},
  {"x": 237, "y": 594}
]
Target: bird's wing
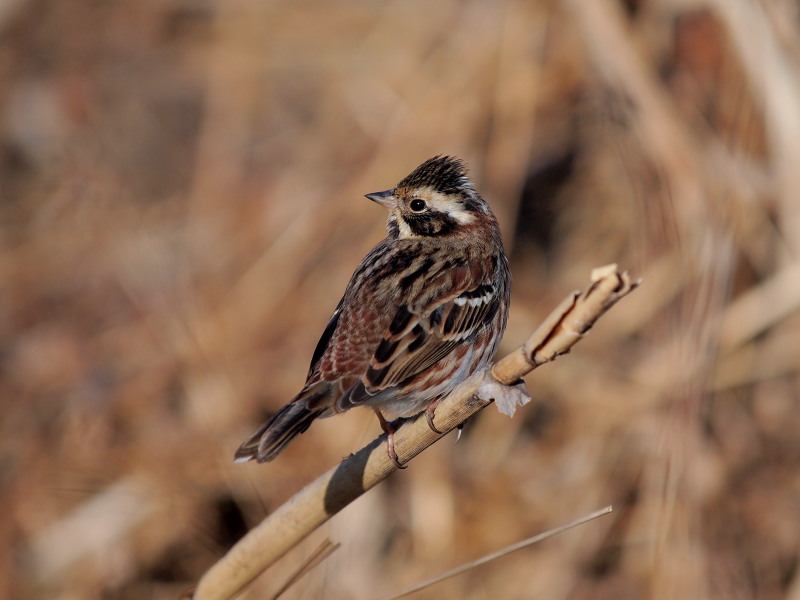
[
  {"x": 447, "y": 312},
  {"x": 325, "y": 338}
]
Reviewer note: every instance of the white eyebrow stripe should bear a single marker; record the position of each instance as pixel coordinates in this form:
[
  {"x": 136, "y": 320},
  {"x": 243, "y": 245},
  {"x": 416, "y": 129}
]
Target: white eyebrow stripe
[
  {"x": 442, "y": 202},
  {"x": 462, "y": 216}
]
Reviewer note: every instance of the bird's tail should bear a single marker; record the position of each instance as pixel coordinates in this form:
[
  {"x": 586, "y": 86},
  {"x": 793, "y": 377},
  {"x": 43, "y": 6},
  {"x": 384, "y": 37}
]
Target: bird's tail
[{"x": 289, "y": 422}]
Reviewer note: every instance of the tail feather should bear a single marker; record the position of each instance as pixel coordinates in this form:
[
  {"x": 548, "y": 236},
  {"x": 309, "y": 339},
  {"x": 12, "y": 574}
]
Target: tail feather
[{"x": 286, "y": 424}]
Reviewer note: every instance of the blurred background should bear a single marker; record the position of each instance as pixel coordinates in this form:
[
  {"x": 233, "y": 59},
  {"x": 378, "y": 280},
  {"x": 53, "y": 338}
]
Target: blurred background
[{"x": 181, "y": 207}]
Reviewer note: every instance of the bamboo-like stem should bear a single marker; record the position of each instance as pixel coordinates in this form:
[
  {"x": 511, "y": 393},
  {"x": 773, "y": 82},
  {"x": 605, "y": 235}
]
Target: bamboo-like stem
[{"x": 331, "y": 492}]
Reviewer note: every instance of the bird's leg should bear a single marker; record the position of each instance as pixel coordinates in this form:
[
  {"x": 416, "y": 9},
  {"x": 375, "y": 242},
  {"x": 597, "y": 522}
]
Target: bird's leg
[
  {"x": 429, "y": 412},
  {"x": 389, "y": 428}
]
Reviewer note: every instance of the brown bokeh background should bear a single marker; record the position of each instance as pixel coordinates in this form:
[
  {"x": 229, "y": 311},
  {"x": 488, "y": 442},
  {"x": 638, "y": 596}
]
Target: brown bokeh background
[{"x": 181, "y": 206}]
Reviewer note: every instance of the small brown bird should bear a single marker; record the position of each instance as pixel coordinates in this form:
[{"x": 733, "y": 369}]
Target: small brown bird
[{"x": 425, "y": 309}]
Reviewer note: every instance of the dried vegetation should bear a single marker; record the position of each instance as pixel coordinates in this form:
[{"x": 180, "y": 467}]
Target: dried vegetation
[{"x": 181, "y": 206}]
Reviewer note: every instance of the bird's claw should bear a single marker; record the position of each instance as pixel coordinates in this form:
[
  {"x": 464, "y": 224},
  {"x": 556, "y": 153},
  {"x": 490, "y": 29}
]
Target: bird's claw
[{"x": 429, "y": 413}]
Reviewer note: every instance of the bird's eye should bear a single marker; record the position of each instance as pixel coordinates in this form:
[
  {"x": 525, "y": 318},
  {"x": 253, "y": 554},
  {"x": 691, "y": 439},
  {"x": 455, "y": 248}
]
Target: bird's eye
[{"x": 417, "y": 205}]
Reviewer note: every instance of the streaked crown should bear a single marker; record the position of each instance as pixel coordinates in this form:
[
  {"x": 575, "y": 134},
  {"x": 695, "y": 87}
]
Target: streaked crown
[{"x": 444, "y": 174}]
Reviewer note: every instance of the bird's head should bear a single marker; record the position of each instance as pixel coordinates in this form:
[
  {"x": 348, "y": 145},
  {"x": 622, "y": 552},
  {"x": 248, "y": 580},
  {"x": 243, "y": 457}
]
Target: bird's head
[{"x": 435, "y": 199}]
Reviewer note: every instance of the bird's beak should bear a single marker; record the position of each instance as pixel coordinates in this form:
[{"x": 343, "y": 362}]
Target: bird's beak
[{"x": 385, "y": 199}]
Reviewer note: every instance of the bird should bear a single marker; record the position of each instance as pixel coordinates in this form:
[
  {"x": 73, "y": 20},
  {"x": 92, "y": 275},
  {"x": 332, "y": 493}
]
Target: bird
[{"x": 424, "y": 310}]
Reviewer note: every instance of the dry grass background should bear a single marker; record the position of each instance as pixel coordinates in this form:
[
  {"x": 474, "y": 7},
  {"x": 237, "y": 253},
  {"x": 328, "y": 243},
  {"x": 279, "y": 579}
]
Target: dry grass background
[{"x": 181, "y": 188}]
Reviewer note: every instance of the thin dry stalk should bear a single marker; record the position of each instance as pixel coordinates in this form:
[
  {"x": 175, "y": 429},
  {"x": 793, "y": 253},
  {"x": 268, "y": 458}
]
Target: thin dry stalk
[
  {"x": 340, "y": 486},
  {"x": 323, "y": 551},
  {"x": 499, "y": 554}
]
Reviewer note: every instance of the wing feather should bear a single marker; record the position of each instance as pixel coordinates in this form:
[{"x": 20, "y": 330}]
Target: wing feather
[
  {"x": 448, "y": 313},
  {"x": 325, "y": 338}
]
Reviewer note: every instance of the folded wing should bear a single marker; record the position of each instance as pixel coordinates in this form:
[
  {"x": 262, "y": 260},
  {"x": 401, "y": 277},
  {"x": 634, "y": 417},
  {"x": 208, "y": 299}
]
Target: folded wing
[{"x": 446, "y": 314}]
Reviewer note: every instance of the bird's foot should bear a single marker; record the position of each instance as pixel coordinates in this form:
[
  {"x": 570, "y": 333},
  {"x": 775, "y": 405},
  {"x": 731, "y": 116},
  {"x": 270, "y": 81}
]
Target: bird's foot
[
  {"x": 429, "y": 413},
  {"x": 389, "y": 427}
]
